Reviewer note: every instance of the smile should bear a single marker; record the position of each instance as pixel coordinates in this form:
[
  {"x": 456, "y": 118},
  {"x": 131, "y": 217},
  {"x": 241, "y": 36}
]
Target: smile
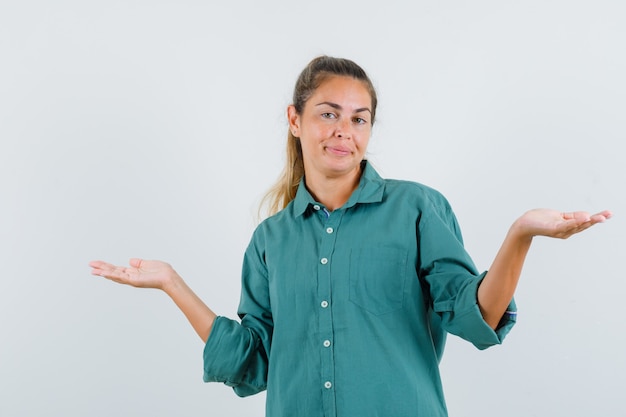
[{"x": 339, "y": 151}]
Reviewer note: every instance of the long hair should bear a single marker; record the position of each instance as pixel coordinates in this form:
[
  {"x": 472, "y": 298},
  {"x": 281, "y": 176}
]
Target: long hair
[{"x": 313, "y": 75}]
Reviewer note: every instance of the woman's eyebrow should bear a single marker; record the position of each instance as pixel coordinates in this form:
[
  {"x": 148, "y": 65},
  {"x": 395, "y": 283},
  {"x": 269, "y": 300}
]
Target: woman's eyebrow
[{"x": 338, "y": 107}]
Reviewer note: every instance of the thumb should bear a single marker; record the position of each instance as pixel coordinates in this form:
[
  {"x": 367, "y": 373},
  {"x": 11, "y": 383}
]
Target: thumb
[
  {"x": 135, "y": 262},
  {"x": 577, "y": 216}
]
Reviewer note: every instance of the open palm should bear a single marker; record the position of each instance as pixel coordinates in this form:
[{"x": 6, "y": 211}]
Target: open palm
[
  {"x": 141, "y": 273},
  {"x": 552, "y": 223}
]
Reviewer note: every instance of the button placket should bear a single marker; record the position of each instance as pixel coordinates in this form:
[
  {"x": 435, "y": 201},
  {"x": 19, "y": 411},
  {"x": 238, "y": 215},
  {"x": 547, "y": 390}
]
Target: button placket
[{"x": 327, "y": 235}]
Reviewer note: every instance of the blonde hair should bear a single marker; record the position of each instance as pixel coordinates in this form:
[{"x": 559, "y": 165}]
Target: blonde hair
[{"x": 313, "y": 75}]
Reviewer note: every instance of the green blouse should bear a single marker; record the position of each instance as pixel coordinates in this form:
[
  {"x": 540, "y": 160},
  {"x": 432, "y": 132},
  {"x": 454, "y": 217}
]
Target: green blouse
[{"x": 345, "y": 313}]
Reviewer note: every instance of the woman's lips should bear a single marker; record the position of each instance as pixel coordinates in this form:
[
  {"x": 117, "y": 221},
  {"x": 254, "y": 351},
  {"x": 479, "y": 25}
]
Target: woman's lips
[{"x": 338, "y": 150}]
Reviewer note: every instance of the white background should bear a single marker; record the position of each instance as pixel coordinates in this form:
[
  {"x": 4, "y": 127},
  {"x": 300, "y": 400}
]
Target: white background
[{"x": 152, "y": 128}]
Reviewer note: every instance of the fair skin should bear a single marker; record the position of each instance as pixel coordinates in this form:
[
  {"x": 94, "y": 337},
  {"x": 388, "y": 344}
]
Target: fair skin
[
  {"x": 334, "y": 130},
  {"x": 498, "y": 286},
  {"x": 143, "y": 273}
]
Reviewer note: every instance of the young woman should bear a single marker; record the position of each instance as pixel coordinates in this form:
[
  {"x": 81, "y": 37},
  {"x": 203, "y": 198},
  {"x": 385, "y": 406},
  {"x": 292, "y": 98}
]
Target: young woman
[{"x": 349, "y": 288}]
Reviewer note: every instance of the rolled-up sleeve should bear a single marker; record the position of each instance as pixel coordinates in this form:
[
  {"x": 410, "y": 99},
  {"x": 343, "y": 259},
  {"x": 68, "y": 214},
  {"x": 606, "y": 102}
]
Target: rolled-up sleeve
[
  {"x": 463, "y": 318},
  {"x": 237, "y": 353},
  {"x": 234, "y": 355},
  {"x": 453, "y": 281}
]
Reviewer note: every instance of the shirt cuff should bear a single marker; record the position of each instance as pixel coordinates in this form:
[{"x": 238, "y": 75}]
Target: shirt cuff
[
  {"x": 231, "y": 356},
  {"x": 470, "y": 324},
  {"x": 226, "y": 337}
]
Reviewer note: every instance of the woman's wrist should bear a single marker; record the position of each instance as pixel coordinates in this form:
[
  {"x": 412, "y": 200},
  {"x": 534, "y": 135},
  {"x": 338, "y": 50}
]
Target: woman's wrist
[
  {"x": 172, "y": 284},
  {"x": 520, "y": 230}
]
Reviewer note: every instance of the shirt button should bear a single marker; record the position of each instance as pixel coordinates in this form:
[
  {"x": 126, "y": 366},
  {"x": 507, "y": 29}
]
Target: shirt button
[
  {"x": 316, "y": 207},
  {"x": 329, "y": 230},
  {"x": 326, "y": 343},
  {"x": 328, "y": 385},
  {"x": 324, "y": 261},
  {"x": 324, "y": 304}
]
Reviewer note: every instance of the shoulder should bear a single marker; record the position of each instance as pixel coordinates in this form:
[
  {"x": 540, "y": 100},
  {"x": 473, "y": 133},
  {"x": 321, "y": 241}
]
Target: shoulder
[
  {"x": 417, "y": 194},
  {"x": 432, "y": 209},
  {"x": 281, "y": 220}
]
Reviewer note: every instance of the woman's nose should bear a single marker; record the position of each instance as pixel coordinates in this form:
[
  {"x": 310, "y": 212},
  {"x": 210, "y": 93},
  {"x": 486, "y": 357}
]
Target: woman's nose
[{"x": 343, "y": 129}]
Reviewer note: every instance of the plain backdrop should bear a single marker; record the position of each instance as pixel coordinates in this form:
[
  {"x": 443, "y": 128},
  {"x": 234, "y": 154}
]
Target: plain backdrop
[{"x": 152, "y": 128}]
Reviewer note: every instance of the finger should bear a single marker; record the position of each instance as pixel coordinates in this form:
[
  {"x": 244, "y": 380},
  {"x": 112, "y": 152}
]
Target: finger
[
  {"x": 566, "y": 233},
  {"x": 581, "y": 216},
  {"x": 101, "y": 271},
  {"x": 135, "y": 262},
  {"x": 113, "y": 272},
  {"x": 97, "y": 270},
  {"x": 602, "y": 216},
  {"x": 568, "y": 221},
  {"x": 574, "y": 219},
  {"x": 105, "y": 267},
  {"x": 99, "y": 264}
]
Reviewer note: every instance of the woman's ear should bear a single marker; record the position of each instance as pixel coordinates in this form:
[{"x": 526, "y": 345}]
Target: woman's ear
[{"x": 294, "y": 120}]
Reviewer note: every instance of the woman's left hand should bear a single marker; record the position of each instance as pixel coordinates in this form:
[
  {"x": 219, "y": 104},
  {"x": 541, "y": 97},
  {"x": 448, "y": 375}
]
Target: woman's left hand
[
  {"x": 557, "y": 224},
  {"x": 498, "y": 286}
]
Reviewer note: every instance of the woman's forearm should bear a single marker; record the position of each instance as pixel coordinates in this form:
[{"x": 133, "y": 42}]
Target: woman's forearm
[
  {"x": 497, "y": 288},
  {"x": 199, "y": 315},
  {"x": 144, "y": 273}
]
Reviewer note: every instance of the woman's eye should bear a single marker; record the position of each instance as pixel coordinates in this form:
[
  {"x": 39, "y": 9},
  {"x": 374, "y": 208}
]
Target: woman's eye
[
  {"x": 360, "y": 120},
  {"x": 328, "y": 115}
]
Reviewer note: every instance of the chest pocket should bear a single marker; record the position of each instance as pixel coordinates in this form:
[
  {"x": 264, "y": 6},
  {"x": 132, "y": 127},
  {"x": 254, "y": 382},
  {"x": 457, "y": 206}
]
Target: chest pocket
[{"x": 377, "y": 278}]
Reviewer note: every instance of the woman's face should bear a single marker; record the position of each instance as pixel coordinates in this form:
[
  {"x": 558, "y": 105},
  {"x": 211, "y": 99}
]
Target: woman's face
[{"x": 334, "y": 127}]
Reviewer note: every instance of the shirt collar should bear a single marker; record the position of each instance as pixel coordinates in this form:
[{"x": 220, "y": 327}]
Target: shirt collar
[{"x": 370, "y": 190}]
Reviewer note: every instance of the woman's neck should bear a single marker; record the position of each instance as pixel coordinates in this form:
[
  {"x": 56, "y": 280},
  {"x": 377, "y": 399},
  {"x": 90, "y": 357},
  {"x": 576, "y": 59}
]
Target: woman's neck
[{"x": 333, "y": 192}]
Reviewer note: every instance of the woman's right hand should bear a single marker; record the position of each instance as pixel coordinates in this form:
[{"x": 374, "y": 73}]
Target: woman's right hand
[
  {"x": 157, "y": 274},
  {"x": 141, "y": 273}
]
